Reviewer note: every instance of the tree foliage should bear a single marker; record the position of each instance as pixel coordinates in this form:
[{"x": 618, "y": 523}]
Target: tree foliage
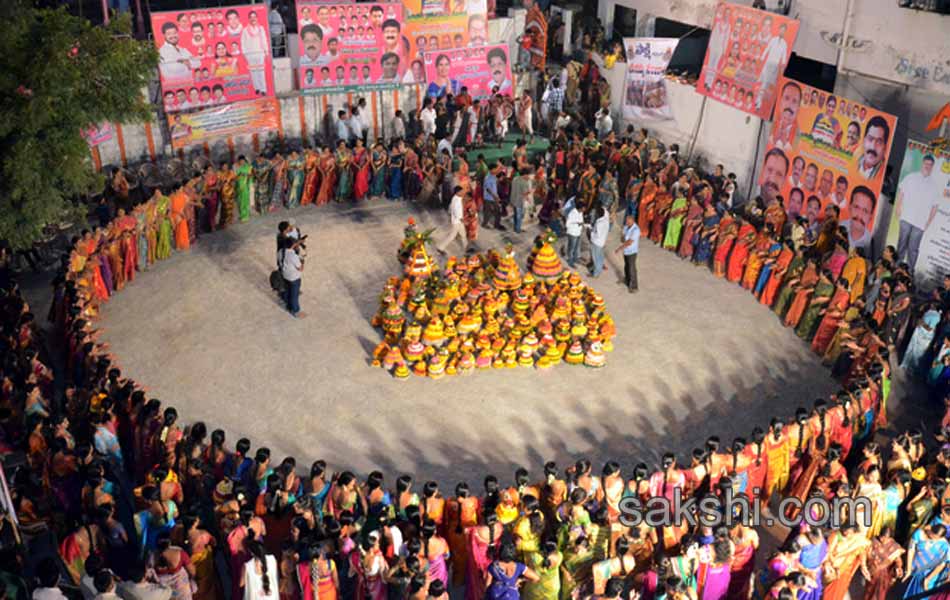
[{"x": 59, "y": 74}]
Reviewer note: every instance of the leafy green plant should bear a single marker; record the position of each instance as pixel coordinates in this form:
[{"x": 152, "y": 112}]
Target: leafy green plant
[{"x": 60, "y": 74}]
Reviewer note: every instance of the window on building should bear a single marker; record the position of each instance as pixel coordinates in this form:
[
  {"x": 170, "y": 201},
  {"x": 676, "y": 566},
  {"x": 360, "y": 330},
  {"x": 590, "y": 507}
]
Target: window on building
[
  {"x": 811, "y": 72},
  {"x": 688, "y": 58}
]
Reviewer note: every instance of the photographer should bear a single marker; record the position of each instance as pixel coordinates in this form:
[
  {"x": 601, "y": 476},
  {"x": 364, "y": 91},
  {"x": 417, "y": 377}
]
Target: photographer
[{"x": 291, "y": 269}]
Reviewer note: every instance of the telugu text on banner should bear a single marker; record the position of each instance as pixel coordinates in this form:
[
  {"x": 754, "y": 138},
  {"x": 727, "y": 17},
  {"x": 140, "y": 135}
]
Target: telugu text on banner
[
  {"x": 213, "y": 56},
  {"x": 645, "y": 97},
  {"x": 201, "y": 126}
]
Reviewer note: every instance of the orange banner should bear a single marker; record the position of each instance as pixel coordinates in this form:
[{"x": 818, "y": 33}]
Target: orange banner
[
  {"x": 747, "y": 53},
  {"x": 827, "y": 151},
  {"x": 221, "y": 121}
]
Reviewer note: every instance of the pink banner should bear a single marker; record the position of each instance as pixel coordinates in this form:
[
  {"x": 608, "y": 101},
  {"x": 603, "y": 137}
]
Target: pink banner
[
  {"x": 349, "y": 47},
  {"x": 213, "y": 56},
  {"x": 481, "y": 69}
]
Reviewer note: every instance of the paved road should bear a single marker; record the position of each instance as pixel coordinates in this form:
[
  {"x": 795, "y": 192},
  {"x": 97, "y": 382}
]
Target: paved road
[{"x": 202, "y": 330}]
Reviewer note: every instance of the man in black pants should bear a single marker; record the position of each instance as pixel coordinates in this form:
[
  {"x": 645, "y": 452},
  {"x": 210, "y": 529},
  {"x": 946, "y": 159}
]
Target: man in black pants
[{"x": 630, "y": 247}]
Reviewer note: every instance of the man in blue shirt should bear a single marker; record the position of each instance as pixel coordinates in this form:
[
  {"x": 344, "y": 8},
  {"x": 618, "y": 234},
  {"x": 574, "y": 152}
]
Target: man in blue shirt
[{"x": 630, "y": 247}]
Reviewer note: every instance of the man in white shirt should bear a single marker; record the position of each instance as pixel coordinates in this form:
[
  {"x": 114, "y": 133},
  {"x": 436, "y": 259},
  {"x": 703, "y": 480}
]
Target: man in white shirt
[
  {"x": 136, "y": 588},
  {"x": 773, "y": 61},
  {"x": 399, "y": 126},
  {"x": 598, "y": 239},
  {"x": 444, "y": 144},
  {"x": 291, "y": 269},
  {"x": 456, "y": 226},
  {"x": 255, "y": 46},
  {"x": 917, "y": 200},
  {"x": 176, "y": 62},
  {"x": 105, "y": 585},
  {"x": 48, "y": 574},
  {"x": 574, "y": 227},
  {"x": 427, "y": 118},
  {"x": 343, "y": 131},
  {"x": 355, "y": 124},
  {"x": 604, "y": 123}
]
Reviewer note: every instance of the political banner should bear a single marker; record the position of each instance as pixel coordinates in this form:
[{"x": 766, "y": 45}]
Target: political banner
[
  {"x": 480, "y": 69},
  {"x": 827, "y": 151},
  {"x": 645, "y": 96},
  {"x": 203, "y": 125},
  {"x": 213, "y": 56},
  {"x": 920, "y": 225},
  {"x": 747, "y": 53},
  {"x": 349, "y": 47},
  {"x": 97, "y": 134},
  {"x": 445, "y": 7}
]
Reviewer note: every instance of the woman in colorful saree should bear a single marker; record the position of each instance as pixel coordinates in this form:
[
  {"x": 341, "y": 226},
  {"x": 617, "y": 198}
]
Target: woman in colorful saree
[
  {"x": 547, "y": 564},
  {"x": 245, "y": 177},
  {"x": 327, "y": 166},
  {"x": 847, "y": 551},
  {"x": 483, "y": 542},
  {"x": 295, "y": 179},
  {"x": 816, "y": 307},
  {"x": 740, "y": 252},
  {"x": 674, "y": 225},
  {"x": 460, "y": 515},
  {"x": 802, "y": 291},
  {"x": 833, "y": 314},
  {"x": 728, "y": 229},
  {"x": 708, "y": 234},
  {"x": 361, "y": 164},
  {"x": 173, "y": 567},
  {"x": 312, "y": 177}
]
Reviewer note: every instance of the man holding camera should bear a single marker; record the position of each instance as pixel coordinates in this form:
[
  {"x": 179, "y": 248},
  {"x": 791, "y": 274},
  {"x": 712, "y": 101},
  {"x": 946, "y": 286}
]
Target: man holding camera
[{"x": 291, "y": 269}]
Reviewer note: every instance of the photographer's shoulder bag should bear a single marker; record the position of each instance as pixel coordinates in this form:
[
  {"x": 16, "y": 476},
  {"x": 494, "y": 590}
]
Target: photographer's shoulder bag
[{"x": 277, "y": 282}]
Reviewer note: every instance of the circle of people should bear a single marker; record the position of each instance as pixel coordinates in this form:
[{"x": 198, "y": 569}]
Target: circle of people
[{"x": 207, "y": 516}]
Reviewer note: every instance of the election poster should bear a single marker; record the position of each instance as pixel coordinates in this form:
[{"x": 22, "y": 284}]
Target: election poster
[
  {"x": 747, "y": 53},
  {"x": 445, "y": 7},
  {"x": 824, "y": 152},
  {"x": 645, "y": 97},
  {"x": 202, "y": 125},
  {"x": 348, "y": 47},
  {"x": 480, "y": 69},
  {"x": 97, "y": 134},
  {"x": 920, "y": 225},
  {"x": 213, "y": 56}
]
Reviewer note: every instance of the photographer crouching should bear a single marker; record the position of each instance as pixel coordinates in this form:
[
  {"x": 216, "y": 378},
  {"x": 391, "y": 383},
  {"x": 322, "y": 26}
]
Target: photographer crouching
[{"x": 291, "y": 253}]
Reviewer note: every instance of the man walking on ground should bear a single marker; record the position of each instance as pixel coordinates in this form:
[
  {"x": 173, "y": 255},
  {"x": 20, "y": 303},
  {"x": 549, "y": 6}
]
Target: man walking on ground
[
  {"x": 456, "y": 226},
  {"x": 630, "y": 247}
]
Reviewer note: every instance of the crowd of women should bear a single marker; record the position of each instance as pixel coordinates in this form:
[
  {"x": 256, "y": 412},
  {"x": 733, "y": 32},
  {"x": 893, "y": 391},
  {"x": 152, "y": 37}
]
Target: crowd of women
[{"x": 133, "y": 493}]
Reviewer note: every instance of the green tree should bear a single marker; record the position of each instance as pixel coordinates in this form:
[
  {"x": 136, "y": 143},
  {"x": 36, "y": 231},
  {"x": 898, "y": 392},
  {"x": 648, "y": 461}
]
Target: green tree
[{"x": 58, "y": 75}]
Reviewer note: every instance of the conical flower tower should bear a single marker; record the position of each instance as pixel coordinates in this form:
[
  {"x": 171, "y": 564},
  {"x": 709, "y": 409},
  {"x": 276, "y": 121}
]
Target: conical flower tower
[
  {"x": 419, "y": 265},
  {"x": 507, "y": 274},
  {"x": 546, "y": 265}
]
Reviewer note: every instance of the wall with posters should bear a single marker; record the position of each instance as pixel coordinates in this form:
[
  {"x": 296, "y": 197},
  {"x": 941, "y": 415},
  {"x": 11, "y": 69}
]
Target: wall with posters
[
  {"x": 826, "y": 151},
  {"x": 213, "y": 56},
  {"x": 722, "y": 134},
  {"x": 747, "y": 53},
  {"x": 920, "y": 225},
  {"x": 345, "y": 47},
  {"x": 479, "y": 68}
]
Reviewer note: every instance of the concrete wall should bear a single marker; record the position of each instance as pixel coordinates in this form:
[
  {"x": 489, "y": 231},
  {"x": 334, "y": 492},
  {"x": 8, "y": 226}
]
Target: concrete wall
[{"x": 722, "y": 134}]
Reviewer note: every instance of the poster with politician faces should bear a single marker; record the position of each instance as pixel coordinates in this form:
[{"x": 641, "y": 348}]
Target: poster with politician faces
[
  {"x": 825, "y": 151},
  {"x": 747, "y": 53},
  {"x": 479, "y": 69},
  {"x": 920, "y": 224},
  {"x": 213, "y": 56},
  {"x": 345, "y": 47}
]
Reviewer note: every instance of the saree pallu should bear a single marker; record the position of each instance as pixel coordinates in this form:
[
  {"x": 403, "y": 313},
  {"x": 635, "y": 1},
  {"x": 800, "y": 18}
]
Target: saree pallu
[
  {"x": 753, "y": 267},
  {"x": 806, "y": 326},
  {"x": 737, "y": 260},
  {"x": 105, "y": 271},
  {"x": 803, "y": 482},
  {"x": 829, "y": 323},
  {"x": 295, "y": 179},
  {"x": 460, "y": 515},
  {"x": 713, "y": 581},
  {"x": 787, "y": 294},
  {"x": 705, "y": 244},
  {"x": 766, "y": 273},
  {"x": 377, "y": 184},
  {"x": 548, "y": 586},
  {"x": 311, "y": 178},
  {"x": 206, "y": 578},
  {"x": 361, "y": 181},
  {"x": 778, "y": 467},
  {"x": 327, "y": 180},
  {"x": 660, "y": 217},
  {"x": 801, "y": 299},
  {"x": 344, "y": 181},
  {"x": 674, "y": 225},
  {"x": 476, "y": 567},
  {"x": 776, "y": 277},
  {"x": 741, "y": 568},
  {"x": 242, "y": 191},
  {"x": 811, "y": 557},
  {"x": 846, "y": 561}
]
